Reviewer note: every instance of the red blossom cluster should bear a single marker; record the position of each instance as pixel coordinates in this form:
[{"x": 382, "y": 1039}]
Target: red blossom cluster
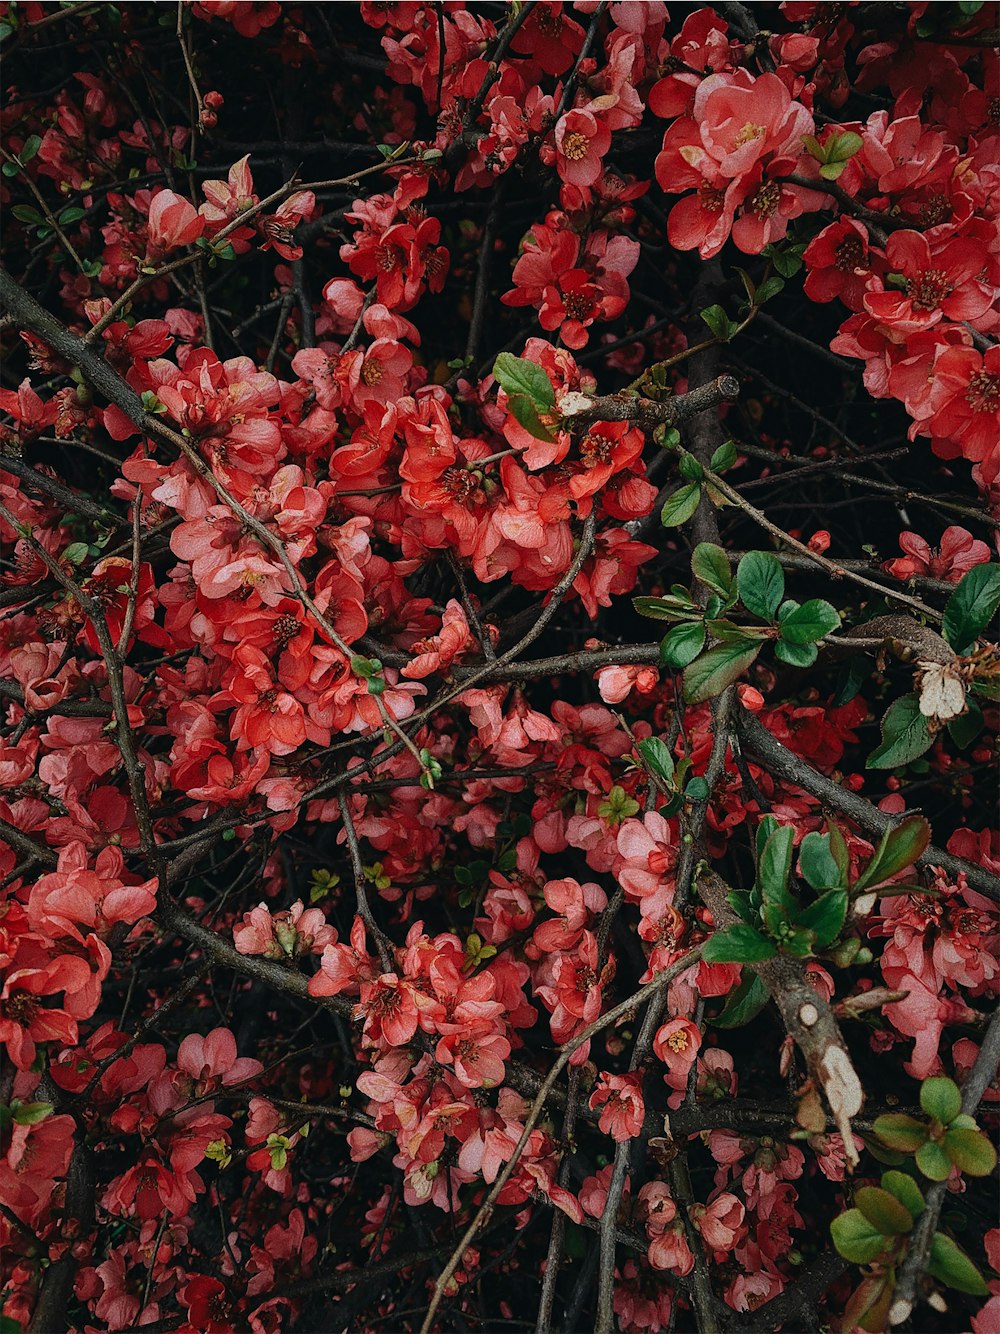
[{"x": 356, "y": 853}]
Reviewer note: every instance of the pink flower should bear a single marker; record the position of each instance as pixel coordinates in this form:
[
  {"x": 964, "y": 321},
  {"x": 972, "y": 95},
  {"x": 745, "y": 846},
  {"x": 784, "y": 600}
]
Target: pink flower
[
  {"x": 676, "y": 1045},
  {"x": 621, "y": 1103},
  {"x": 173, "y": 222},
  {"x": 958, "y": 553},
  {"x": 581, "y": 142}
]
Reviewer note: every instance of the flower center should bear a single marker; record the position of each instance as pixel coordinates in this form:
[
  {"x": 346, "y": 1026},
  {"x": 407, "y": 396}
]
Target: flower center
[
  {"x": 850, "y": 255},
  {"x": 983, "y": 393},
  {"x": 371, "y": 372},
  {"x": 928, "y": 290},
  {"x": 595, "y": 449},
  {"x": 749, "y": 133},
  {"x": 765, "y": 201},
  {"x": 578, "y": 305},
  {"x": 678, "y": 1042},
  {"x": 575, "y": 145},
  {"x": 711, "y": 198}
]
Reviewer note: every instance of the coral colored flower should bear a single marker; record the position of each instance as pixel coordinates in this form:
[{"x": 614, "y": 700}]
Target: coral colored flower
[
  {"x": 958, "y": 553},
  {"x": 622, "y": 1108},
  {"x": 173, "y": 222},
  {"x": 581, "y": 140}
]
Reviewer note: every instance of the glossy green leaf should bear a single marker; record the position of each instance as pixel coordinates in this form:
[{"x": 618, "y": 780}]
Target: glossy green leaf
[
  {"x": 773, "y": 869},
  {"x": 738, "y": 944},
  {"x": 972, "y": 606},
  {"x": 760, "y": 581},
  {"x": 810, "y": 622},
  {"x": 744, "y": 1004},
  {"x": 817, "y": 863},
  {"x": 710, "y": 564},
  {"x": 709, "y": 674},
  {"x": 680, "y": 505},
  {"x": 666, "y": 608},
  {"x": 905, "y": 735},
  {"x": 656, "y": 754},
  {"x": 825, "y": 918},
  {"x": 517, "y": 375},
  {"x": 796, "y": 655},
  {"x": 964, "y": 729},
  {"x": 900, "y": 847},
  {"x": 724, "y": 457},
  {"x": 682, "y": 644}
]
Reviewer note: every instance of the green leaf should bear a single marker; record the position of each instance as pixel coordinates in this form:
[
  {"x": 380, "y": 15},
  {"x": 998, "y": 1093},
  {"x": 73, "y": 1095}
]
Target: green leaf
[
  {"x": 31, "y": 146},
  {"x": 964, "y": 729},
  {"x": 905, "y": 1189},
  {"x": 900, "y": 847},
  {"x": 769, "y": 288},
  {"x": 970, "y": 1151},
  {"x": 73, "y": 214},
  {"x": 826, "y": 917},
  {"x": 31, "y": 1113},
  {"x": 856, "y": 1239},
  {"x": 517, "y": 375},
  {"x": 690, "y": 468},
  {"x": 681, "y": 505},
  {"x": 843, "y": 146},
  {"x": 774, "y": 867},
  {"x": 933, "y": 1161},
  {"x": 682, "y": 644},
  {"x": 796, "y": 655},
  {"x": 971, "y": 607},
  {"x": 25, "y": 213},
  {"x": 738, "y": 944},
  {"x": 698, "y": 789},
  {"x": 665, "y": 608},
  {"x": 719, "y": 323},
  {"x": 831, "y": 170},
  {"x": 525, "y": 413},
  {"x": 710, "y": 564},
  {"x": 740, "y": 903},
  {"x": 656, "y": 754},
  {"x": 760, "y": 581},
  {"x": 724, "y": 457},
  {"x": 951, "y": 1265},
  {"x": 899, "y": 1131},
  {"x": 941, "y": 1098},
  {"x": 817, "y": 863},
  {"x": 904, "y": 735},
  {"x": 883, "y": 1210},
  {"x": 810, "y": 622},
  {"x": 743, "y": 1004},
  {"x": 719, "y": 667}
]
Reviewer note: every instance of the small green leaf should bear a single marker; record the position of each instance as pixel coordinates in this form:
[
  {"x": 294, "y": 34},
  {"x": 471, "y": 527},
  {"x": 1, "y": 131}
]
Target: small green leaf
[
  {"x": 933, "y": 1161},
  {"x": 724, "y": 457},
  {"x": 971, "y": 607},
  {"x": 883, "y": 1210},
  {"x": 796, "y": 655},
  {"x": 905, "y": 735},
  {"x": 951, "y": 1265},
  {"x": 856, "y": 1239},
  {"x": 517, "y": 375},
  {"x": 666, "y": 608},
  {"x": 760, "y": 581},
  {"x": 738, "y": 944},
  {"x": 697, "y": 789},
  {"x": 719, "y": 667},
  {"x": 682, "y": 644},
  {"x": 680, "y": 505},
  {"x": 719, "y": 323},
  {"x": 75, "y": 553},
  {"x": 810, "y": 622},
  {"x": 31, "y": 146},
  {"x": 900, "y": 847},
  {"x": 31, "y": 1113},
  {"x": 899, "y": 1131},
  {"x": 743, "y": 1004},
  {"x": 941, "y": 1098},
  {"x": 769, "y": 287},
  {"x": 524, "y": 410},
  {"x": 905, "y": 1189},
  {"x": 843, "y": 146},
  {"x": 817, "y": 862},
  {"x": 825, "y": 918},
  {"x": 964, "y": 729},
  {"x": 775, "y": 862},
  {"x": 656, "y": 754},
  {"x": 690, "y": 468},
  {"x": 710, "y": 564},
  {"x": 970, "y": 1151},
  {"x": 25, "y": 213},
  {"x": 831, "y": 170}
]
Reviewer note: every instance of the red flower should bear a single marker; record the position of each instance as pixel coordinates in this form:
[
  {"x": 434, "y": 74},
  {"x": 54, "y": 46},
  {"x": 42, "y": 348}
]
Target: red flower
[
  {"x": 621, "y": 1103},
  {"x": 581, "y": 142},
  {"x": 173, "y": 222}
]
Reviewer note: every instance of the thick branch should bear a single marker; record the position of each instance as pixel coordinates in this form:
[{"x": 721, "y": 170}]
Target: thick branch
[{"x": 648, "y": 414}]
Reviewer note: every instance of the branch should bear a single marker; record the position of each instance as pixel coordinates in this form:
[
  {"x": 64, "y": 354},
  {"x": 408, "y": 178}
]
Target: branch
[
  {"x": 649, "y": 414},
  {"x": 785, "y": 764},
  {"x": 807, "y": 1018},
  {"x": 565, "y": 1052},
  {"x": 979, "y": 1078}
]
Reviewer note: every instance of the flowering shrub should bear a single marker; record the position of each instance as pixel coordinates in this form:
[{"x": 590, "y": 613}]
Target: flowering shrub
[{"x": 492, "y": 831}]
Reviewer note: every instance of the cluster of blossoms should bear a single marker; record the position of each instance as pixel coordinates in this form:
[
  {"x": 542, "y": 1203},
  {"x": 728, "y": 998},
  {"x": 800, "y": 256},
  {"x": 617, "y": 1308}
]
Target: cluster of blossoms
[{"x": 276, "y": 634}]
